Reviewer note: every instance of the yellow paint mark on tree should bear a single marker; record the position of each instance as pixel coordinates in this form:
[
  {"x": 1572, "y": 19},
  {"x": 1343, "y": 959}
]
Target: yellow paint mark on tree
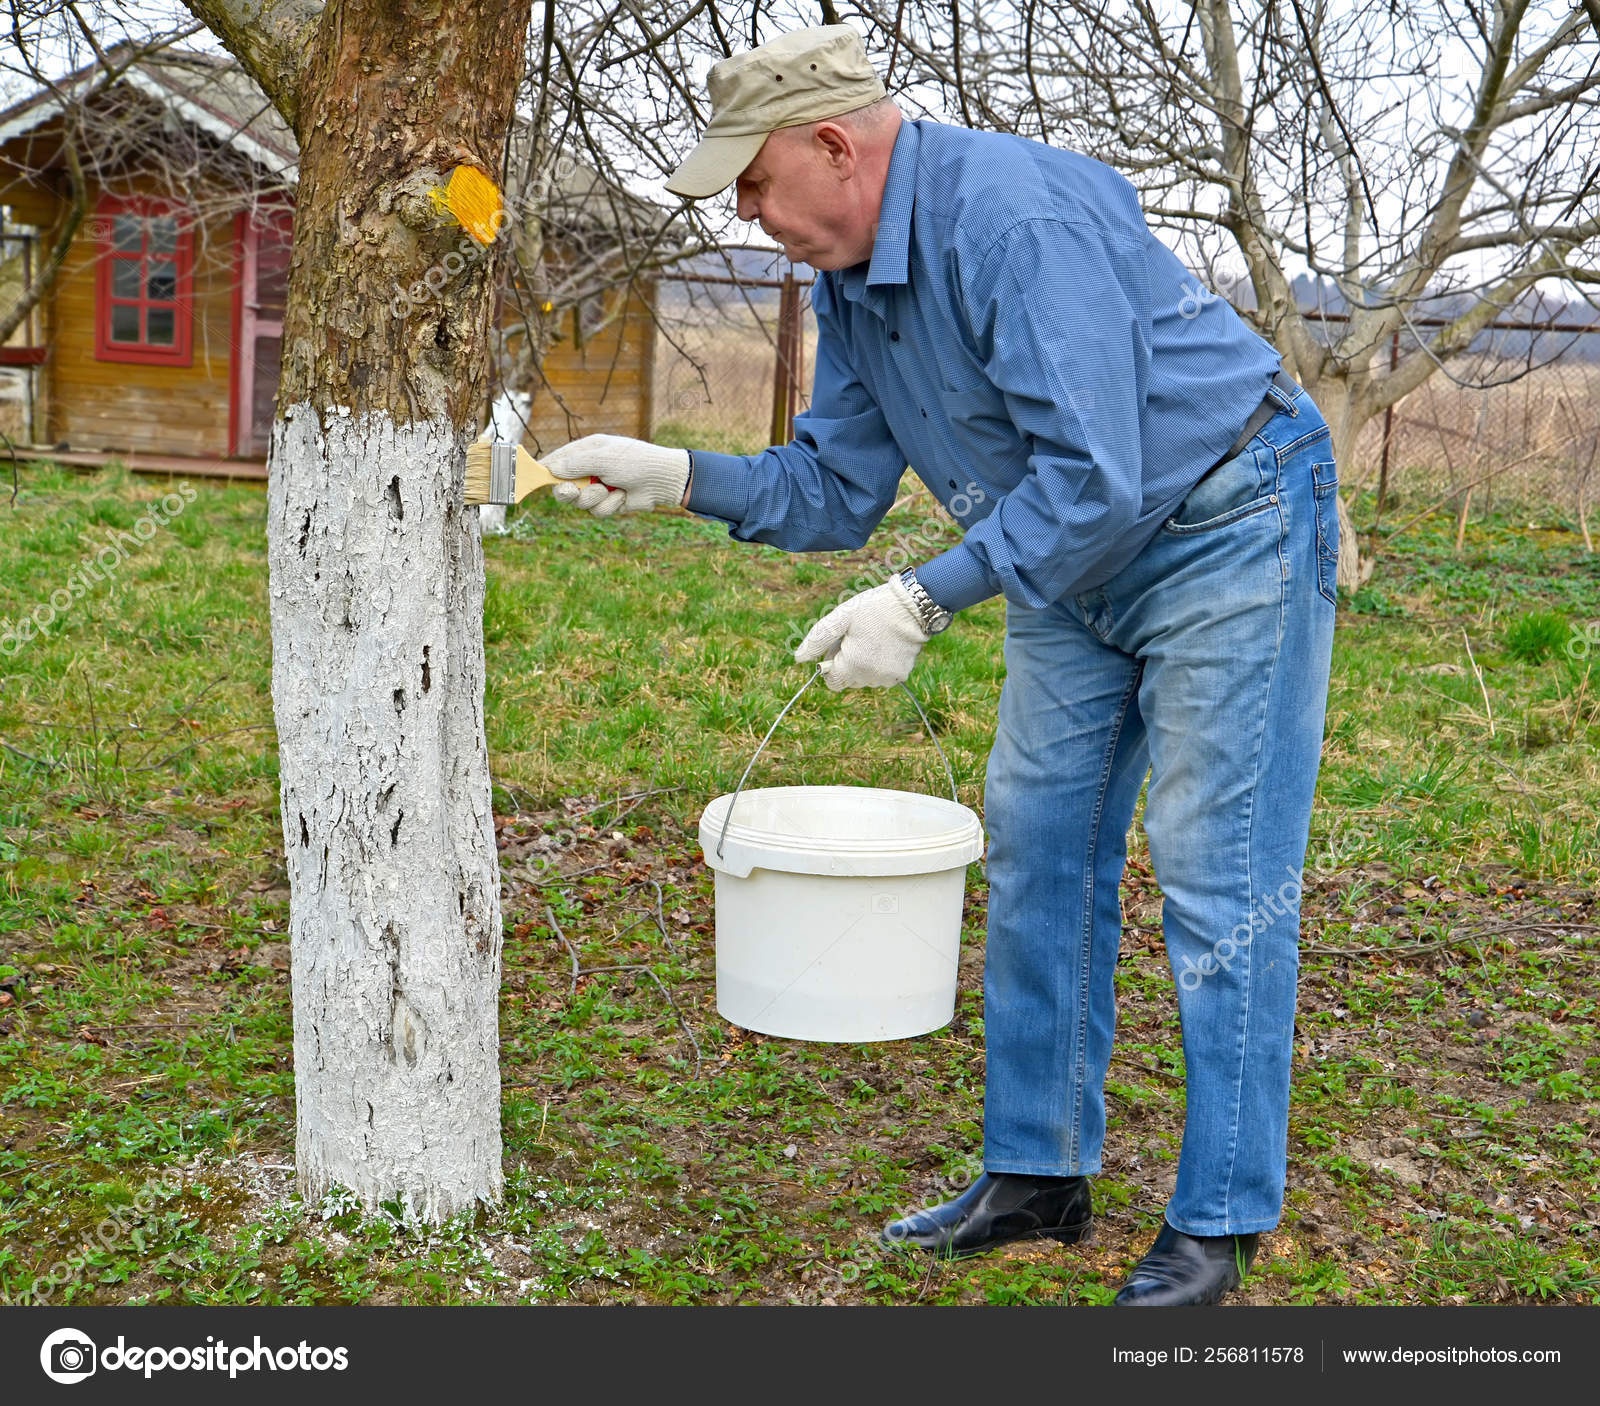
[{"x": 473, "y": 201}]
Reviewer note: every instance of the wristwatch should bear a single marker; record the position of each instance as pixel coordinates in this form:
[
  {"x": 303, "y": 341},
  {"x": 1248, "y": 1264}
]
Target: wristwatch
[{"x": 935, "y": 618}]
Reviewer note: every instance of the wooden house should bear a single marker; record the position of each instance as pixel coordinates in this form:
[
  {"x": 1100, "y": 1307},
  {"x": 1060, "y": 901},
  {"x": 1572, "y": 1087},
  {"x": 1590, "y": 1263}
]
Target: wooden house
[{"x": 161, "y": 333}]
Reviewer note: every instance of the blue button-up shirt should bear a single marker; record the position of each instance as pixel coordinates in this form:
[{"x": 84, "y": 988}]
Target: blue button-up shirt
[{"x": 1051, "y": 371}]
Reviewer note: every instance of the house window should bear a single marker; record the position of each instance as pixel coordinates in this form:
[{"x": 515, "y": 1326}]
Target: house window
[{"x": 143, "y": 306}]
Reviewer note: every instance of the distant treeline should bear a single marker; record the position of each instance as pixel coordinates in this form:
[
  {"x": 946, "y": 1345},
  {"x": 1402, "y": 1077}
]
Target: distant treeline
[{"x": 1312, "y": 294}]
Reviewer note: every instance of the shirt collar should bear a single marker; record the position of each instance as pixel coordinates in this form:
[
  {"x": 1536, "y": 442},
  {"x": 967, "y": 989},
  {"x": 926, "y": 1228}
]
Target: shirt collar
[{"x": 891, "y": 246}]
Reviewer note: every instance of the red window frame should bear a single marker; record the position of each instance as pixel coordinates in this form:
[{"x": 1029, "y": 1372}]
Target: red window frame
[{"x": 143, "y": 352}]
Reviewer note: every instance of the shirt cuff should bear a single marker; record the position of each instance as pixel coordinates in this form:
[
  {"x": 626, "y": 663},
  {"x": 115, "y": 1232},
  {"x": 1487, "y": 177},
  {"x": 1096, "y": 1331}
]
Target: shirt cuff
[
  {"x": 956, "y": 579},
  {"x": 719, "y": 485}
]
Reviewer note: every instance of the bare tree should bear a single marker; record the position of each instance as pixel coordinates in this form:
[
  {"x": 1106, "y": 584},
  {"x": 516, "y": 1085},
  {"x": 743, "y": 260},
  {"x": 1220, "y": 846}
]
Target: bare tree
[
  {"x": 619, "y": 89},
  {"x": 394, "y": 321},
  {"x": 376, "y": 568},
  {"x": 1420, "y": 155},
  {"x": 91, "y": 125},
  {"x": 377, "y": 589}
]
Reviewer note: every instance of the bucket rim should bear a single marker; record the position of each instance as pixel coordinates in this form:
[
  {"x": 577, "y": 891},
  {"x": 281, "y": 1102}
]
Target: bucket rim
[{"x": 963, "y": 831}]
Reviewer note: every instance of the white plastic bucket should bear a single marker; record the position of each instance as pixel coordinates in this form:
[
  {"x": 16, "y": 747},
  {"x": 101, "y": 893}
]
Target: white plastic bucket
[{"x": 838, "y": 909}]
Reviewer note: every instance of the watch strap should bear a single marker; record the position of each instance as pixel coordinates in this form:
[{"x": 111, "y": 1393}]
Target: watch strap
[{"x": 934, "y": 617}]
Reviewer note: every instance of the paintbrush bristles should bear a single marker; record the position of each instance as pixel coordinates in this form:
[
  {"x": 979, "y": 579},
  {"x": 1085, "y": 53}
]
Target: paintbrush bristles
[
  {"x": 502, "y": 474},
  {"x": 479, "y": 486}
]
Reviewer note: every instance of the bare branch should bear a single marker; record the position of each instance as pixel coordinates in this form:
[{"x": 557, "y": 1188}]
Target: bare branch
[{"x": 271, "y": 38}]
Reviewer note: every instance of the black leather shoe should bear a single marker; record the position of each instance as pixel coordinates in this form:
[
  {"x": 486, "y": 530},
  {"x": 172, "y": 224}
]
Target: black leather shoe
[
  {"x": 994, "y": 1210},
  {"x": 1188, "y": 1270}
]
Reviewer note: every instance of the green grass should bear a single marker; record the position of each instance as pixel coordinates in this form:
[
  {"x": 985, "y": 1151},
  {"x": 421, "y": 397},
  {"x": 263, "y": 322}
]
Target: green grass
[
  {"x": 1443, "y": 1131},
  {"x": 1538, "y": 635}
]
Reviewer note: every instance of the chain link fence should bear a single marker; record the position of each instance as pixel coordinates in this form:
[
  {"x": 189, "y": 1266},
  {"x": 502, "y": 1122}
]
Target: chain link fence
[
  {"x": 733, "y": 360},
  {"x": 1511, "y": 437}
]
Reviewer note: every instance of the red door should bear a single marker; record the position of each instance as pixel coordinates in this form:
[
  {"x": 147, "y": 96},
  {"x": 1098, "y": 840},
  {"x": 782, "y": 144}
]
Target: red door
[{"x": 264, "y": 241}]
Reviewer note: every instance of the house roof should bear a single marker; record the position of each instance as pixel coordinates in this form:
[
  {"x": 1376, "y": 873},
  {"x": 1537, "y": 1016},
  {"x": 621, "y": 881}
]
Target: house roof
[
  {"x": 209, "y": 91},
  {"x": 215, "y": 95}
]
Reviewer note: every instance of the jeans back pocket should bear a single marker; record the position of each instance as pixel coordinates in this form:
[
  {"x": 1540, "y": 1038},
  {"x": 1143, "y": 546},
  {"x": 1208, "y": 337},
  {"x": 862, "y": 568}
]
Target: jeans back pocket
[{"x": 1325, "y": 493}]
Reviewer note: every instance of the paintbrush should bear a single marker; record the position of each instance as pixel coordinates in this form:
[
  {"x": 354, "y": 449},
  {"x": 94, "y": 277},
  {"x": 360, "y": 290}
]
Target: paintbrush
[{"x": 505, "y": 474}]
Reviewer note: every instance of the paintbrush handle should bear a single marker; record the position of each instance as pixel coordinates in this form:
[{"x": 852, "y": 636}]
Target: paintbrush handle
[{"x": 531, "y": 475}]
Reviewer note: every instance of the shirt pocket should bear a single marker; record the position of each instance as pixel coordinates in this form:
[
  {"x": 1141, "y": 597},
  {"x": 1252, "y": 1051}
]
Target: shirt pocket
[{"x": 982, "y": 428}]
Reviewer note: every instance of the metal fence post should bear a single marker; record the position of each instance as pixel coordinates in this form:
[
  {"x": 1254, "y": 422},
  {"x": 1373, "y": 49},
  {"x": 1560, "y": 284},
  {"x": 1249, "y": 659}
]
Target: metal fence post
[
  {"x": 1388, "y": 429},
  {"x": 786, "y": 364}
]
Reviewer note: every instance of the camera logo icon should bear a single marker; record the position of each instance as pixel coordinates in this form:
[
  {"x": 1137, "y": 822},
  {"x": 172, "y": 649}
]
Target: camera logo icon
[
  {"x": 885, "y": 903},
  {"x": 67, "y": 1356}
]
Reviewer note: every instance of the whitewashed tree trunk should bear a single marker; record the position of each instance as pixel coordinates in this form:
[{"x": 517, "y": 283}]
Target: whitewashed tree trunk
[
  {"x": 377, "y": 686},
  {"x": 376, "y": 578}
]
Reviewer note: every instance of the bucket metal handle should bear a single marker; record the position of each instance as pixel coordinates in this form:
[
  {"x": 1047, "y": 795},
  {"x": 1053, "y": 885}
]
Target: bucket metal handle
[{"x": 928, "y": 726}]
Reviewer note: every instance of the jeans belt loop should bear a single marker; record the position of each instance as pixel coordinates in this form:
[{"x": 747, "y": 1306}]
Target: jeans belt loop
[{"x": 1277, "y": 400}]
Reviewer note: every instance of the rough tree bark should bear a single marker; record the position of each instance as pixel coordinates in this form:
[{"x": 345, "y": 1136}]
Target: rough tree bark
[{"x": 376, "y": 576}]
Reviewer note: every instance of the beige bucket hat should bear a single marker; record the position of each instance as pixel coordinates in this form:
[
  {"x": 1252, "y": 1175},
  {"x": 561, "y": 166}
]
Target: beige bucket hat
[{"x": 804, "y": 76}]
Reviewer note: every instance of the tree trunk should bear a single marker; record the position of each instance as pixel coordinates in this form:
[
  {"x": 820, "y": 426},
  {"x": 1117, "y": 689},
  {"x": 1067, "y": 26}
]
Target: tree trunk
[
  {"x": 377, "y": 598},
  {"x": 1338, "y": 408}
]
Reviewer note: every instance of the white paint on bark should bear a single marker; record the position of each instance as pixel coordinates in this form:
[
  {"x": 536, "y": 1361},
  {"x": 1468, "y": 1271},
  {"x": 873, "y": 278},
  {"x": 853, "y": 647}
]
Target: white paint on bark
[{"x": 377, "y": 685}]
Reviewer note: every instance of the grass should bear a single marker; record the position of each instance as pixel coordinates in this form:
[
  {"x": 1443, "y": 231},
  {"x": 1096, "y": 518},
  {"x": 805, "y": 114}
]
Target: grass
[{"x": 1447, "y": 1072}]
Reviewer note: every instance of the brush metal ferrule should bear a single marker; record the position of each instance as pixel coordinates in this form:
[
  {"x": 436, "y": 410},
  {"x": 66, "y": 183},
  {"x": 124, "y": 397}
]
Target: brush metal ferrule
[{"x": 503, "y": 473}]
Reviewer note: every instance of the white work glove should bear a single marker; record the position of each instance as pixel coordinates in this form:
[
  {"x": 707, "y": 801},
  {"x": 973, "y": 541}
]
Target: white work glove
[
  {"x": 871, "y": 641},
  {"x": 634, "y": 476}
]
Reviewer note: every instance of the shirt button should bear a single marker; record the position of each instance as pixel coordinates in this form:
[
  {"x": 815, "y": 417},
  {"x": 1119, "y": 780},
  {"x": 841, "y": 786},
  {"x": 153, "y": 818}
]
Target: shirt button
[
  {"x": 894, "y": 336},
  {"x": 924, "y": 414}
]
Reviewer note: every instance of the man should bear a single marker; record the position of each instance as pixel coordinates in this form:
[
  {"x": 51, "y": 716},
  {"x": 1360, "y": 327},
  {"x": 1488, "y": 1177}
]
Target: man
[{"x": 1155, "y": 501}]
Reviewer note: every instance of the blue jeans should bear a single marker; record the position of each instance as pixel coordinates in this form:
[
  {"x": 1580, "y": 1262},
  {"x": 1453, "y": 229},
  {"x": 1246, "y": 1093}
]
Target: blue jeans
[{"x": 1205, "y": 663}]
